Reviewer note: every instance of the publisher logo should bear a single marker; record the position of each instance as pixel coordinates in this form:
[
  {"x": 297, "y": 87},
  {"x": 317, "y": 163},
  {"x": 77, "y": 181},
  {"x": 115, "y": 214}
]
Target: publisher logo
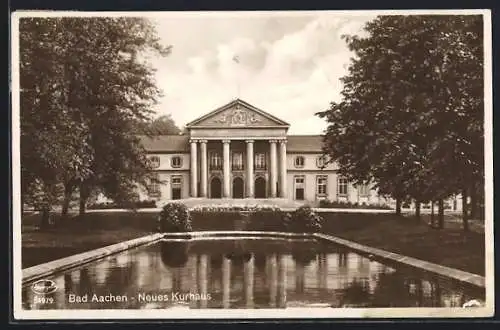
[{"x": 44, "y": 287}]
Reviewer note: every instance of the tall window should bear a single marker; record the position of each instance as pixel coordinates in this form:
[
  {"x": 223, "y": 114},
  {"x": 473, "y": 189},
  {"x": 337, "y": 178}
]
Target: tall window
[
  {"x": 155, "y": 161},
  {"x": 154, "y": 186},
  {"x": 299, "y": 161},
  {"x": 321, "y": 185},
  {"x": 215, "y": 161},
  {"x": 260, "y": 161},
  {"x": 176, "y": 161},
  {"x": 364, "y": 189},
  {"x": 237, "y": 161},
  {"x": 342, "y": 186}
]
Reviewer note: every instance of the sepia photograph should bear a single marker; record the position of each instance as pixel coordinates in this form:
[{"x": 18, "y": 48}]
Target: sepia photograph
[{"x": 252, "y": 165}]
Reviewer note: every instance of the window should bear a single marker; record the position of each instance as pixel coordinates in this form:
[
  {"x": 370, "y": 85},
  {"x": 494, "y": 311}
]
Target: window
[
  {"x": 321, "y": 161},
  {"x": 299, "y": 161},
  {"x": 321, "y": 185},
  {"x": 176, "y": 180},
  {"x": 215, "y": 161},
  {"x": 155, "y": 161},
  {"x": 154, "y": 186},
  {"x": 237, "y": 161},
  {"x": 176, "y": 161},
  {"x": 299, "y": 179},
  {"x": 363, "y": 189},
  {"x": 342, "y": 186},
  {"x": 260, "y": 161}
]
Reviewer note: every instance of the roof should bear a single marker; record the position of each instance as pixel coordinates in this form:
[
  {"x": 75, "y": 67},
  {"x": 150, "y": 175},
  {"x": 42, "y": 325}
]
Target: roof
[
  {"x": 180, "y": 143},
  {"x": 166, "y": 143},
  {"x": 304, "y": 143},
  {"x": 233, "y": 103}
]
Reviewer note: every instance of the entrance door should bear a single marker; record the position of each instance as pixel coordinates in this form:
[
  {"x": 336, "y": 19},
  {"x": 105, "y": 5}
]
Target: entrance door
[
  {"x": 215, "y": 188},
  {"x": 260, "y": 187},
  {"x": 299, "y": 188},
  {"x": 237, "y": 187}
]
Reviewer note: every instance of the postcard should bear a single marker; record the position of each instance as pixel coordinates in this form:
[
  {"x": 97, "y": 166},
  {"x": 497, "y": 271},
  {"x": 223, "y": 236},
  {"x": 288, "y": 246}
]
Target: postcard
[{"x": 252, "y": 165}]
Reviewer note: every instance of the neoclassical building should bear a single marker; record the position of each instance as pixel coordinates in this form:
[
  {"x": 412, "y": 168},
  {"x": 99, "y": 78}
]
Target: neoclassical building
[{"x": 240, "y": 151}]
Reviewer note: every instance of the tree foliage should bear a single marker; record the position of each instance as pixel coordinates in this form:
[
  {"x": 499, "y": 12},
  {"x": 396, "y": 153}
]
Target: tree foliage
[
  {"x": 411, "y": 114},
  {"x": 84, "y": 84}
]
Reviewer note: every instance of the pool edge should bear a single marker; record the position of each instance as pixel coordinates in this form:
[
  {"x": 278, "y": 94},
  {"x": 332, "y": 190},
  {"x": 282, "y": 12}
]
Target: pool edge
[
  {"x": 40, "y": 271},
  {"x": 448, "y": 272}
]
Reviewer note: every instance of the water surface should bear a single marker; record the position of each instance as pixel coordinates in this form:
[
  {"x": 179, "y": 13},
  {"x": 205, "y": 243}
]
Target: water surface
[{"x": 244, "y": 273}]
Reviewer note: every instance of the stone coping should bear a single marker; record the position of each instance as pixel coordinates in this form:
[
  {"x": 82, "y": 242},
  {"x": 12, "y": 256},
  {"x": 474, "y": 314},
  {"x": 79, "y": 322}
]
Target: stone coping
[
  {"x": 430, "y": 267},
  {"x": 39, "y": 271},
  {"x": 285, "y": 209},
  {"x": 43, "y": 270}
]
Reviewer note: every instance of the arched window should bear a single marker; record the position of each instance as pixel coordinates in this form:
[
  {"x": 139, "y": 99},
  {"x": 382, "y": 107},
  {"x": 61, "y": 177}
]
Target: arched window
[{"x": 299, "y": 161}]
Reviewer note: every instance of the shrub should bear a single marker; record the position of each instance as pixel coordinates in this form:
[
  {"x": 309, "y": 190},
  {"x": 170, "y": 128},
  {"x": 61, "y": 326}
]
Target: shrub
[
  {"x": 174, "y": 217},
  {"x": 128, "y": 205},
  {"x": 304, "y": 220},
  {"x": 348, "y": 205}
]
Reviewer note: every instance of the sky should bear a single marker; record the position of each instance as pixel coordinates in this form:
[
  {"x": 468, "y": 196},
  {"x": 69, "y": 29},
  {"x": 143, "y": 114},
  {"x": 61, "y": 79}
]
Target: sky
[{"x": 288, "y": 64}]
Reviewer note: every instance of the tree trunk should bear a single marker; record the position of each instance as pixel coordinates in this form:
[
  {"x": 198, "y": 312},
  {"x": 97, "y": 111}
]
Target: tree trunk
[
  {"x": 432, "y": 214},
  {"x": 398, "y": 206},
  {"x": 465, "y": 219},
  {"x": 84, "y": 194},
  {"x": 473, "y": 202},
  {"x": 441, "y": 214},
  {"x": 68, "y": 192},
  {"x": 417, "y": 210},
  {"x": 45, "y": 217}
]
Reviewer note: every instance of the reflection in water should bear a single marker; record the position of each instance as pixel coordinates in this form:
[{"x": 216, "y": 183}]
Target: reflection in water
[{"x": 244, "y": 274}]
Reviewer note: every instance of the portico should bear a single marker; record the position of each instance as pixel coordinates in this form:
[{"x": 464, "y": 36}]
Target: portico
[
  {"x": 239, "y": 148},
  {"x": 237, "y": 163}
]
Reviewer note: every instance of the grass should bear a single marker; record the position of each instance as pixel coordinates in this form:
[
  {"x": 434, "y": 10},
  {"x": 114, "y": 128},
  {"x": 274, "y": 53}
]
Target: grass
[
  {"x": 450, "y": 247},
  {"x": 405, "y": 235}
]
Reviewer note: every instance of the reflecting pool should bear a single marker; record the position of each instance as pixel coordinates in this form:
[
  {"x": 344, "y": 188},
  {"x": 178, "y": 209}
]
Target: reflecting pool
[{"x": 245, "y": 273}]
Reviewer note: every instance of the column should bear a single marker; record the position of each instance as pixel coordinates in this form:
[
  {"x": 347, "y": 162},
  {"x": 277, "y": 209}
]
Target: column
[
  {"x": 248, "y": 273},
  {"x": 283, "y": 188},
  {"x": 250, "y": 180},
  {"x": 203, "y": 279},
  {"x": 194, "y": 170},
  {"x": 226, "y": 282},
  {"x": 273, "y": 280},
  {"x": 282, "y": 281},
  {"x": 274, "y": 168},
  {"x": 226, "y": 169},
  {"x": 204, "y": 170}
]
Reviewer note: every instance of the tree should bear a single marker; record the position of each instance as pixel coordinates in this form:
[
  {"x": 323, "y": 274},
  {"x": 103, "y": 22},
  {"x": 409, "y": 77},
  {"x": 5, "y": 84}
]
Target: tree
[
  {"x": 163, "y": 125},
  {"x": 84, "y": 84},
  {"x": 411, "y": 107}
]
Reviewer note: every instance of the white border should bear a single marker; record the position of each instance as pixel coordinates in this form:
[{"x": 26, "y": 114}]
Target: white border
[{"x": 289, "y": 313}]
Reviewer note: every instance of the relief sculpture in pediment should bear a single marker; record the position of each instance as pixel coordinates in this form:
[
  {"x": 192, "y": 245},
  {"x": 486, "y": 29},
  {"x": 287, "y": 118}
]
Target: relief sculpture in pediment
[{"x": 238, "y": 117}]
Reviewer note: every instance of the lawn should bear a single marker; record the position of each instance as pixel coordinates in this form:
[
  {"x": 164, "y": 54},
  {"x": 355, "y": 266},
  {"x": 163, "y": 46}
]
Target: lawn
[{"x": 450, "y": 246}]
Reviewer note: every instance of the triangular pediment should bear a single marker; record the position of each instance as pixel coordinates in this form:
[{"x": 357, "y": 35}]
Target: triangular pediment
[{"x": 237, "y": 113}]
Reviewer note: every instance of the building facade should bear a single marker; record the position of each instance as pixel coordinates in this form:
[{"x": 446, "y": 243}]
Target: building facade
[{"x": 240, "y": 151}]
